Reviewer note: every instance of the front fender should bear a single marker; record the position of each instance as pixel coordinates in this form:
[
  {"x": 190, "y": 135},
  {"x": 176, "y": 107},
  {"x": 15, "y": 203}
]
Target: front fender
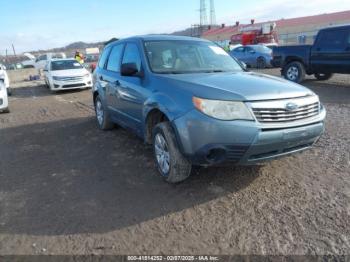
[{"x": 165, "y": 104}]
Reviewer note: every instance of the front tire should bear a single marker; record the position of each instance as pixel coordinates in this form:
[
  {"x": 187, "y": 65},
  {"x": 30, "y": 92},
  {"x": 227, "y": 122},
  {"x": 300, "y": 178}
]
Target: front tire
[
  {"x": 323, "y": 76},
  {"x": 102, "y": 116},
  {"x": 294, "y": 71},
  {"x": 9, "y": 91},
  {"x": 172, "y": 165}
]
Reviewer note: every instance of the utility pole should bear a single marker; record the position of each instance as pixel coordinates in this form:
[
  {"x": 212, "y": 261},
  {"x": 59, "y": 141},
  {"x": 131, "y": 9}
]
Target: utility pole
[
  {"x": 14, "y": 51},
  {"x": 203, "y": 13},
  {"x": 212, "y": 13}
]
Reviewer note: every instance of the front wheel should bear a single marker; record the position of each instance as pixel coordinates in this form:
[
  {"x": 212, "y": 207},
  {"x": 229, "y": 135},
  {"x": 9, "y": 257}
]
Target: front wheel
[
  {"x": 172, "y": 165},
  {"x": 294, "y": 71},
  {"x": 9, "y": 91},
  {"x": 323, "y": 76}
]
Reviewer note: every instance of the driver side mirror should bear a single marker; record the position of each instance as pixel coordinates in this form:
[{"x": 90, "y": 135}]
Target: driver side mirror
[{"x": 129, "y": 69}]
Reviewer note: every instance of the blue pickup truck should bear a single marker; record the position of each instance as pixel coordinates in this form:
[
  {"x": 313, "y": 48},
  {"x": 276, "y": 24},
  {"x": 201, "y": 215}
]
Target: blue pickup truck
[
  {"x": 329, "y": 54},
  {"x": 196, "y": 105}
]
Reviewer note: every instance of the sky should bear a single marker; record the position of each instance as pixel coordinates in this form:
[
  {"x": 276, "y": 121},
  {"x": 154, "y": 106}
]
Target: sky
[{"x": 42, "y": 24}]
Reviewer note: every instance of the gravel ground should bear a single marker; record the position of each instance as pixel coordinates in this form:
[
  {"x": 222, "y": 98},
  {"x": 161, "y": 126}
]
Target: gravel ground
[{"x": 68, "y": 188}]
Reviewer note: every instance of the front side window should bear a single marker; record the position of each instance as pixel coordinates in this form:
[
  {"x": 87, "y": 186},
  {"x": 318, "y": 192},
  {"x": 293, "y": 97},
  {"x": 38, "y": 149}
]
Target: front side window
[
  {"x": 239, "y": 49},
  {"x": 180, "y": 57},
  {"x": 65, "y": 65},
  {"x": 103, "y": 58},
  {"x": 132, "y": 55},
  {"x": 114, "y": 58}
]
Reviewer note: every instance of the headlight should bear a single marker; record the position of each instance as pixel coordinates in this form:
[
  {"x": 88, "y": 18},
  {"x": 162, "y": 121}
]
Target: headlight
[
  {"x": 223, "y": 110},
  {"x": 87, "y": 75}
]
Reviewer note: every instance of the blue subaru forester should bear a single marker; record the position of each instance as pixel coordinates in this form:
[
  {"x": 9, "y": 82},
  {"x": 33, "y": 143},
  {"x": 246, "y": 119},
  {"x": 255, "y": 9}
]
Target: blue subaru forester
[{"x": 198, "y": 106}]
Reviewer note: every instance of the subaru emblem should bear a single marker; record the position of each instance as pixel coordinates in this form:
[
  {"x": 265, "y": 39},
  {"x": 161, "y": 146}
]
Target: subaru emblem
[{"x": 291, "y": 106}]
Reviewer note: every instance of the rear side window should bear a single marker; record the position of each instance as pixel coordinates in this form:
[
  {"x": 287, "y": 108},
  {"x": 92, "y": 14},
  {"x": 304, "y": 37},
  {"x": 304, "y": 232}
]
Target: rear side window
[
  {"x": 333, "y": 39},
  {"x": 132, "y": 55},
  {"x": 103, "y": 58},
  {"x": 114, "y": 58}
]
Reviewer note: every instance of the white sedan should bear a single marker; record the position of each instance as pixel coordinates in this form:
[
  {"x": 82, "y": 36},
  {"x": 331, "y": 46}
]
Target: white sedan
[
  {"x": 66, "y": 74},
  {"x": 4, "y": 105}
]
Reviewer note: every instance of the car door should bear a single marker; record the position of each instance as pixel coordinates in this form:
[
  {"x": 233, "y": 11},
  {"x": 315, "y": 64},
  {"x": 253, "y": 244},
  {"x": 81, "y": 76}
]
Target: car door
[
  {"x": 327, "y": 54},
  {"x": 238, "y": 53},
  {"x": 47, "y": 71},
  {"x": 131, "y": 89},
  {"x": 250, "y": 56},
  {"x": 111, "y": 78}
]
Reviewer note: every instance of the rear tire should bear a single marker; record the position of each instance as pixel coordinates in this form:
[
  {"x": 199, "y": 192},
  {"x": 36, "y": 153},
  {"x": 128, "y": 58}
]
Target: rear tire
[
  {"x": 172, "y": 165},
  {"x": 260, "y": 63},
  {"x": 294, "y": 71},
  {"x": 102, "y": 116},
  {"x": 323, "y": 76}
]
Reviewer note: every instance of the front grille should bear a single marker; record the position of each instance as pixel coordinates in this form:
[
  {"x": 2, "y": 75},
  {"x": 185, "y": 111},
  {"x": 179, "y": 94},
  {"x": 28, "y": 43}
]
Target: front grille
[
  {"x": 277, "y": 111},
  {"x": 73, "y": 78}
]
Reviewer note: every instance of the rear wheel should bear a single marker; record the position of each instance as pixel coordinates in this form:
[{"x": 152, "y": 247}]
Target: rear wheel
[
  {"x": 323, "y": 76},
  {"x": 294, "y": 71},
  {"x": 261, "y": 63},
  {"x": 102, "y": 116},
  {"x": 172, "y": 165}
]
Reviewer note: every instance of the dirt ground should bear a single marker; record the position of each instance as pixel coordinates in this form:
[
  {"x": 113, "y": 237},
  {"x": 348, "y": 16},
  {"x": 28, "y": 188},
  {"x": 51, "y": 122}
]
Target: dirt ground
[{"x": 68, "y": 188}]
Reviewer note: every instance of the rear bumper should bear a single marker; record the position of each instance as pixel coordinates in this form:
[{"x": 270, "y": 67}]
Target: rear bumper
[
  {"x": 3, "y": 99},
  {"x": 206, "y": 141}
]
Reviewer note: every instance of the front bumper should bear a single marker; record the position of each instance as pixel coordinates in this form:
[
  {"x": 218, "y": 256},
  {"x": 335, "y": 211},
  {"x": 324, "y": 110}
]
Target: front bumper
[
  {"x": 207, "y": 141},
  {"x": 69, "y": 85}
]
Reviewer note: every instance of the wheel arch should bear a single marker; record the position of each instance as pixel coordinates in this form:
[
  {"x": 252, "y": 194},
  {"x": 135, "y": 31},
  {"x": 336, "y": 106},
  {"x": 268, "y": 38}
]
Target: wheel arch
[{"x": 153, "y": 117}]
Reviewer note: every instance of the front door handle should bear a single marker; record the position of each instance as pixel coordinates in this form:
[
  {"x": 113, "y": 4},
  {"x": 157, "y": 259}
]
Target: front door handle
[
  {"x": 117, "y": 83},
  {"x": 101, "y": 78}
]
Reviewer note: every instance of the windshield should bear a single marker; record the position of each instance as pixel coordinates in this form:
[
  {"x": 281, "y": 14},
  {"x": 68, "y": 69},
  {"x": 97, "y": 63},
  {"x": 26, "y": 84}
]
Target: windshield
[
  {"x": 65, "y": 65},
  {"x": 262, "y": 49},
  {"x": 180, "y": 57}
]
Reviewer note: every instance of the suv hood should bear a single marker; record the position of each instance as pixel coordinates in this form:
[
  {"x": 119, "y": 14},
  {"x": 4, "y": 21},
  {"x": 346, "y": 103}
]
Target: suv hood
[{"x": 244, "y": 86}]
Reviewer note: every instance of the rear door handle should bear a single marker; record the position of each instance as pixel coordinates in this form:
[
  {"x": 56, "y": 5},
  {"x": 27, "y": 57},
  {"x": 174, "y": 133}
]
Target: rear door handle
[
  {"x": 101, "y": 78},
  {"x": 117, "y": 83}
]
